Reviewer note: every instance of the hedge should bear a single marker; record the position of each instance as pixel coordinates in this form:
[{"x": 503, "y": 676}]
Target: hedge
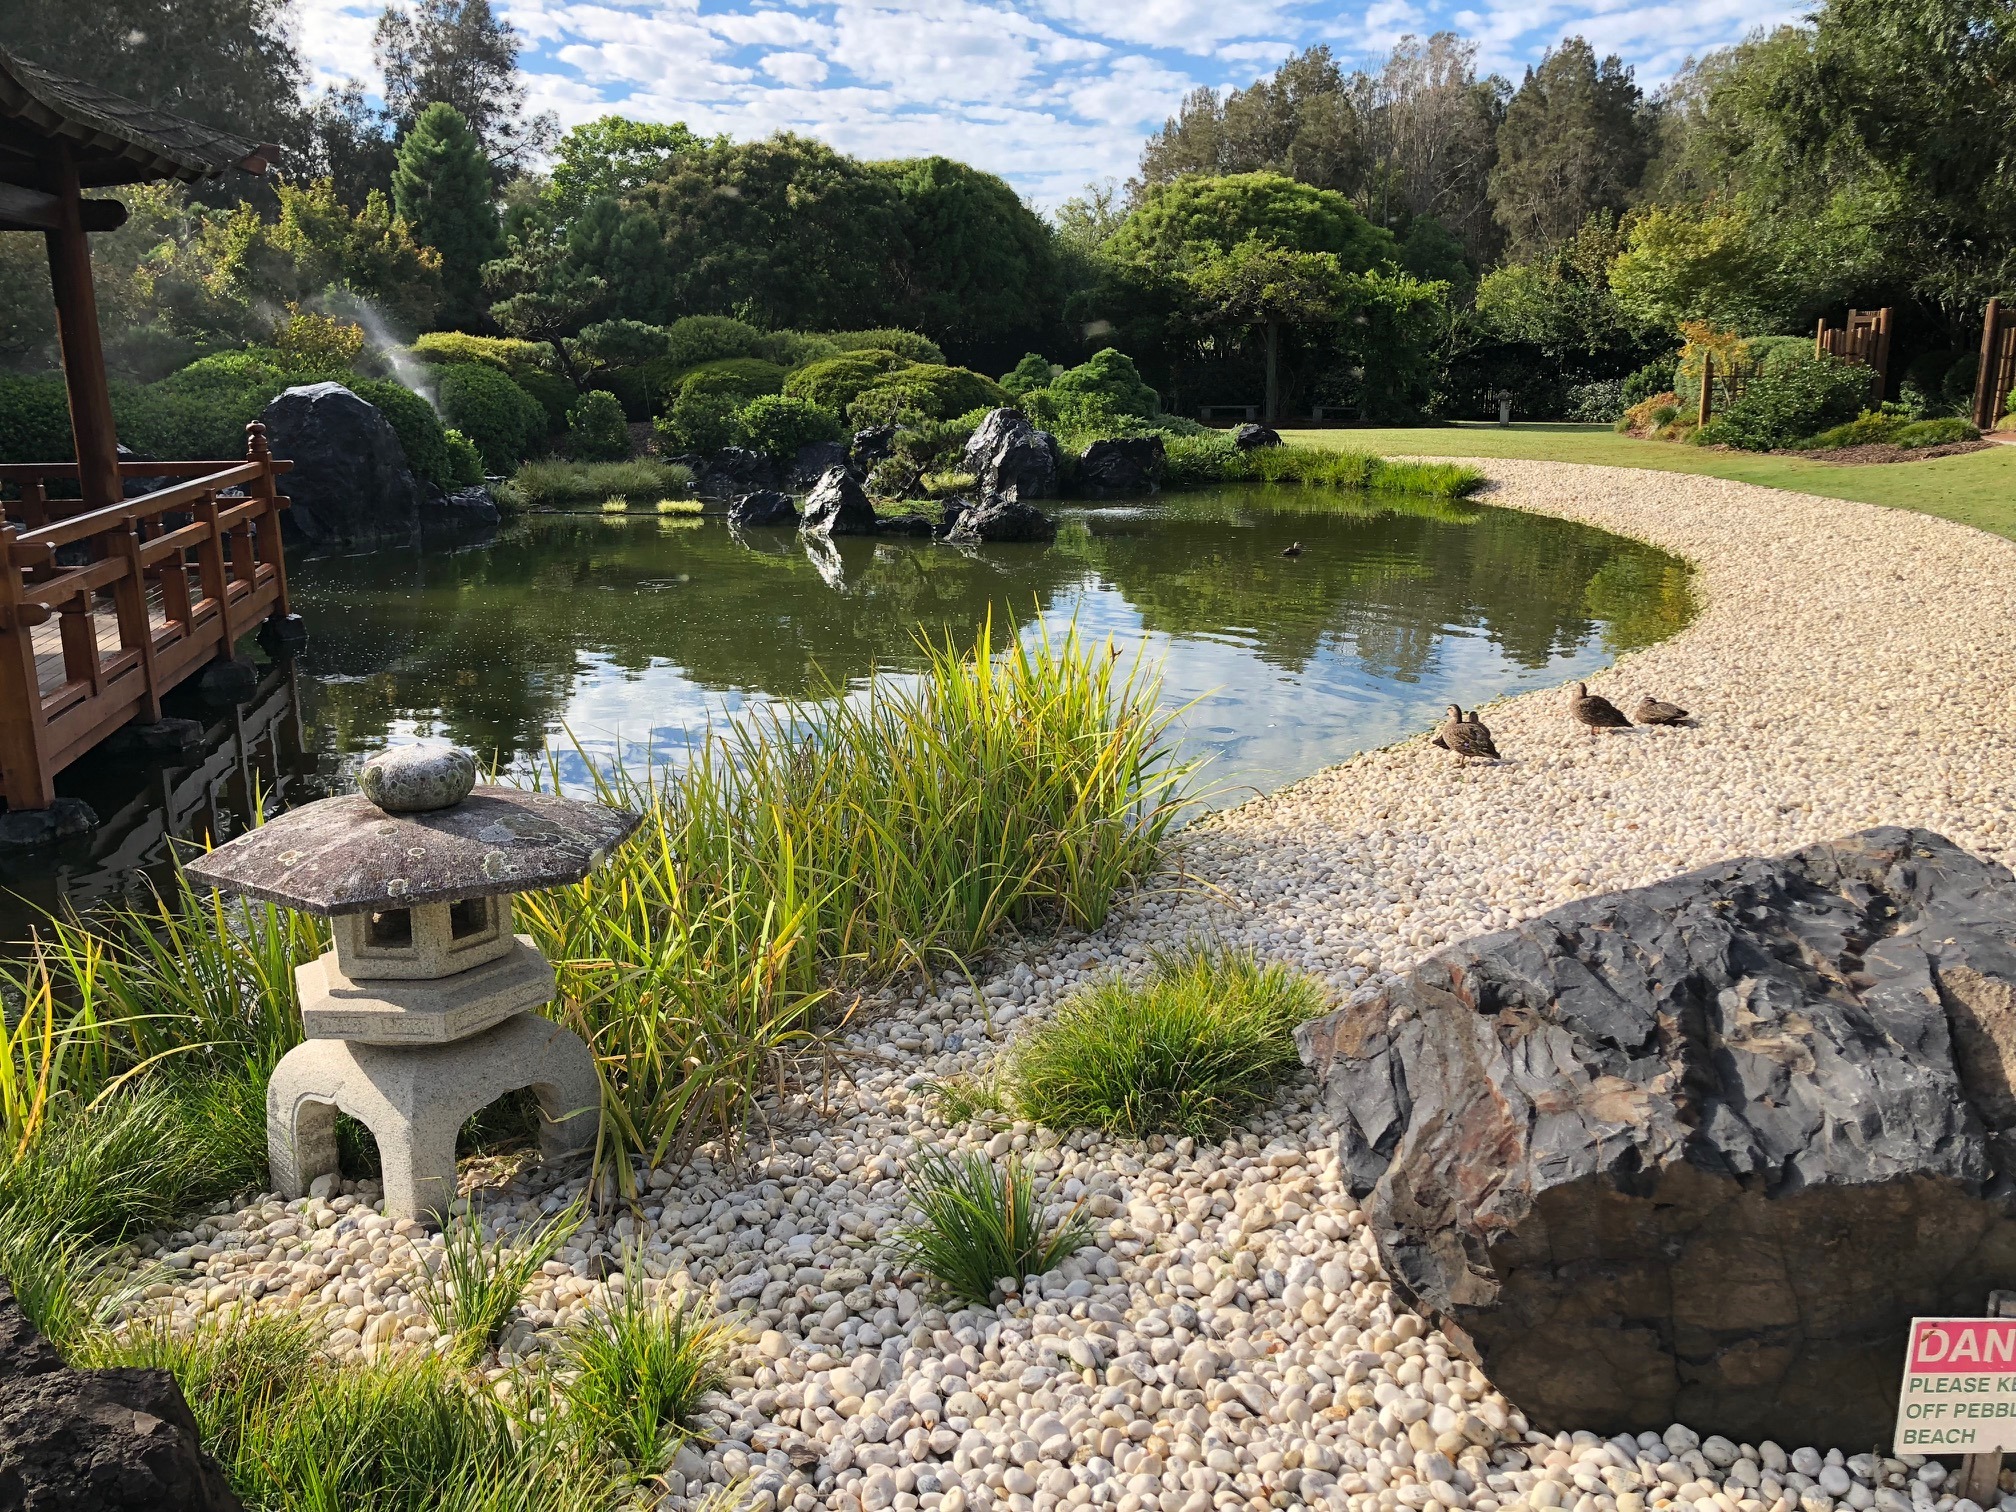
[
  {"x": 779, "y": 425},
  {"x": 418, "y": 427},
  {"x": 504, "y": 421},
  {"x": 928, "y": 389},
  {"x": 747, "y": 376},
  {"x": 835, "y": 382},
  {"x": 506, "y": 354},
  {"x": 905, "y": 344}
]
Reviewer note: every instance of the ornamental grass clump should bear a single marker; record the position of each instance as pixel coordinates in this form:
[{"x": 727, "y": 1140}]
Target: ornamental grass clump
[
  {"x": 1191, "y": 1050},
  {"x": 470, "y": 1295},
  {"x": 640, "y": 1369},
  {"x": 982, "y": 1225}
]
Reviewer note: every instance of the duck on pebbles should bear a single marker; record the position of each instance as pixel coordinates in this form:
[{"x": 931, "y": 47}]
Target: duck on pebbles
[
  {"x": 1657, "y": 711},
  {"x": 1595, "y": 712},
  {"x": 1466, "y": 737}
]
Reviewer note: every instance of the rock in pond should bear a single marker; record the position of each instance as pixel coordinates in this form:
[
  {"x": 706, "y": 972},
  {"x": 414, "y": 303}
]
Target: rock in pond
[
  {"x": 1250, "y": 436},
  {"x": 1120, "y": 466},
  {"x": 465, "y": 514},
  {"x": 96, "y": 1440},
  {"x": 1698, "y": 1151},
  {"x": 838, "y": 505},
  {"x": 736, "y": 469},
  {"x": 1011, "y": 459},
  {"x": 815, "y": 459},
  {"x": 766, "y": 506},
  {"x": 1000, "y": 520},
  {"x": 350, "y": 484},
  {"x": 417, "y": 779}
]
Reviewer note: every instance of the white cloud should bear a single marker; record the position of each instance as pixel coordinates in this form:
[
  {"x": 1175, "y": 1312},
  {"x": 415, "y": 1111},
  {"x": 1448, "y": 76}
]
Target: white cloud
[{"x": 1050, "y": 93}]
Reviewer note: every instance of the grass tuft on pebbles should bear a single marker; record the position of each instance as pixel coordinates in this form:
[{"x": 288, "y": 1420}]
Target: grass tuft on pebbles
[
  {"x": 472, "y": 1295},
  {"x": 983, "y": 1225},
  {"x": 641, "y": 1370},
  {"x": 1200, "y": 1043}
]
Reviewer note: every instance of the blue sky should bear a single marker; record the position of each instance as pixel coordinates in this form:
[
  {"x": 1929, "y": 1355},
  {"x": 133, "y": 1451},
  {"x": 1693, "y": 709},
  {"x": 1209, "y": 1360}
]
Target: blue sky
[{"x": 1051, "y": 94}]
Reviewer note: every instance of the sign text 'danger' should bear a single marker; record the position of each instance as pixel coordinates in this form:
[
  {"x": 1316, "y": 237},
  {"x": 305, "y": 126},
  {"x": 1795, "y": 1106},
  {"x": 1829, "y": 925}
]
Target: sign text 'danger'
[{"x": 1959, "y": 1390}]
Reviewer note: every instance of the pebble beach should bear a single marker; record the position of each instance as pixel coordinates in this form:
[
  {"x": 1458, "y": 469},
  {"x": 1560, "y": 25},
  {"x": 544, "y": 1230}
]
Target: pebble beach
[{"x": 1228, "y": 1340}]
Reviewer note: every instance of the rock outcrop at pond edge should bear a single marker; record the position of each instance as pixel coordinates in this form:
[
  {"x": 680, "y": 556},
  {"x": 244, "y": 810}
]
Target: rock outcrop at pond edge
[
  {"x": 96, "y": 1440},
  {"x": 766, "y": 506},
  {"x": 1698, "y": 1151},
  {"x": 1121, "y": 467},
  {"x": 350, "y": 484},
  {"x": 1011, "y": 459},
  {"x": 838, "y": 505}
]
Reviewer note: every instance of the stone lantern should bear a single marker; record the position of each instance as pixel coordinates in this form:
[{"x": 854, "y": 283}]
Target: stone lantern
[{"x": 426, "y": 1009}]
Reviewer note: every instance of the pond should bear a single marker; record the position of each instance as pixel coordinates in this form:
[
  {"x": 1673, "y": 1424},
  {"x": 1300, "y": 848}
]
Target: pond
[{"x": 621, "y": 633}]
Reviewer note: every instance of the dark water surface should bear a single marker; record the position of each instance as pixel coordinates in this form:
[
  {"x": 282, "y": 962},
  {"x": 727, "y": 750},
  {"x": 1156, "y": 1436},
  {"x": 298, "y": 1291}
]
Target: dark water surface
[{"x": 634, "y": 631}]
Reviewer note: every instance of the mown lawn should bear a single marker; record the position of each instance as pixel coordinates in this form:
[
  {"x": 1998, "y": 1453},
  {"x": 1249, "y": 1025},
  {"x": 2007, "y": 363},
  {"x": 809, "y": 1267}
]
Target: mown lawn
[{"x": 1978, "y": 489}]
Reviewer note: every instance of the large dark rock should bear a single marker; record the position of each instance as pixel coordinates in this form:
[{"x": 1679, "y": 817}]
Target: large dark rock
[
  {"x": 1121, "y": 466},
  {"x": 872, "y": 444},
  {"x": 815, "y": 459},
  {"x": 96, "y": 1440},
  {"x": 766, "y": 506},
  {"x": 1250, "y": 436},
  {"x": 1011, "y": 459},
  {"x": 838, "y": 505},
  {"x": 350, "y": 485},
  {"x": 464, "y": 515},
  {"x": 1700, "y": 1150},
  {"x": 737, "y": 470},
  {"x": 1000, "y": 519},
  {"x": 32, "y": 829}
]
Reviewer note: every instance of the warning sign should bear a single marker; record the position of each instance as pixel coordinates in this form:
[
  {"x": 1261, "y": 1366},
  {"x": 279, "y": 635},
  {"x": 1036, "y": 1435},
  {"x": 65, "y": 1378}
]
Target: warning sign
[{"x": 1959, "y": 1393}]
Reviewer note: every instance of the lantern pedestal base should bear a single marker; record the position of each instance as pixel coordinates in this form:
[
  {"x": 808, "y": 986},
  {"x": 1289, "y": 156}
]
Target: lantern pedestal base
[{"x": 415, "y": 1098}]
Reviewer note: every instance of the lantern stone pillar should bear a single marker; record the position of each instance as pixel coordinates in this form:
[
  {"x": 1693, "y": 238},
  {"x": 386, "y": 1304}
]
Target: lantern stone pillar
[{"x": 426, "y": 1008}]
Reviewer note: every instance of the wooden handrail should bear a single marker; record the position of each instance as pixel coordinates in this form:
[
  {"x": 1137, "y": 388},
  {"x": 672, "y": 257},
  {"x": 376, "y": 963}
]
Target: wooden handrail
[
  {"x": 141, "y": 507},
  {"x": 17, "y": 472}
]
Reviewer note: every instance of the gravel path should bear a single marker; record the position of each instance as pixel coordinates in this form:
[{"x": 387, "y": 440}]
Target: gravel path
[{"x": 1229, "y": 1342}]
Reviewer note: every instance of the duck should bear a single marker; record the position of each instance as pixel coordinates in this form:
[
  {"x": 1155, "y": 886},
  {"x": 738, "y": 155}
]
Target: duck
[
  {"x": 1466, "y": 736},
  {"x": 1292, "y": 549},
  {"x": 1596, "y": 712},
  {"x": 1658, "y": 711}
]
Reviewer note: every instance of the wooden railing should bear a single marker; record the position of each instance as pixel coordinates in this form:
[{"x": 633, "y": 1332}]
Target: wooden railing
[
  {"x": 1863, "y": 337},
  {"x": 1995, "y": 377},
  {"x": 124, "y": 568}
]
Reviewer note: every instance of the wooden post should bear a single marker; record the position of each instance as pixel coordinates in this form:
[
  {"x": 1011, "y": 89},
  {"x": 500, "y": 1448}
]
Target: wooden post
[
  {"x": 83, "y": 355},
  {"x": 1880, "y": 358},
  {"x": 1820, "y": 337},
  {"x": 267, "y": 541},
  {"x": 25, "y": 779},
  {"x": 129, "y": 599},
  {"x": 211, "y": 570},
  {"x": 1707, "y": 388},
  {"x": 1980, "y": 1474},
  {"x": 1986, "y": 400}
]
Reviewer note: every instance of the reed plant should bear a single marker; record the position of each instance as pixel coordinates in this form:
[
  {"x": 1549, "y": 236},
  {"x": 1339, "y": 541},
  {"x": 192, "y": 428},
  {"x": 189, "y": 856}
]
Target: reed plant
[
  {"x": 558, "y": 484},
  {"x": 1202, "y": 460},
  {"x": 981, "y": 1225}
]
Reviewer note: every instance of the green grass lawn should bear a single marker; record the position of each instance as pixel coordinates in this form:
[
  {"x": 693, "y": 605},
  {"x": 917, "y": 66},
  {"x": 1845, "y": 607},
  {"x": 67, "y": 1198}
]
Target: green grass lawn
[{"x": 1978, "y": 489}]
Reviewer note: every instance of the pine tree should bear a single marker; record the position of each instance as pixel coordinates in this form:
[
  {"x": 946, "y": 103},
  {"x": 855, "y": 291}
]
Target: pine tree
[{"x": 441, "y": 187}]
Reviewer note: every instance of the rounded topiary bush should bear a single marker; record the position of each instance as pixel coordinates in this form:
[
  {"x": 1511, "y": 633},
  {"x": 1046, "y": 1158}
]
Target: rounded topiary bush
[
  {"x": 908, "y": 345},
  {"x": 465, "y": 463},
  {"x": 597, "y": 430},
  {"x": 835, "y": 382},
  {"x": 779, "y": 425},
  {"x": 1105, "y": 383},
  {"x": 746, "y": 377},
  {"x": 709, "y": 338},
  {"x": 701, "y": 421},
  {"x": 34, "y": 418},
  {"x": 420, "y": 432},
  {"x": 1032, "y": 372},
  {"x": 925, "y": 389},
  {"x": 504, "y": 421}
]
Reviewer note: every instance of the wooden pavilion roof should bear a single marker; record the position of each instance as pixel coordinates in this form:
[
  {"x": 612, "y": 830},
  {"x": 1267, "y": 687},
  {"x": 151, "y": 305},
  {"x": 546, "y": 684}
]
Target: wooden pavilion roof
[{"x": 113, "y": 140}]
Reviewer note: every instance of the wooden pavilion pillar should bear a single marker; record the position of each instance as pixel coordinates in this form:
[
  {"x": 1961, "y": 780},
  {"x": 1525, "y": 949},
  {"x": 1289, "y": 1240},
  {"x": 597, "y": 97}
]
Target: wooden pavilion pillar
[{"x": 83, "y": 351}]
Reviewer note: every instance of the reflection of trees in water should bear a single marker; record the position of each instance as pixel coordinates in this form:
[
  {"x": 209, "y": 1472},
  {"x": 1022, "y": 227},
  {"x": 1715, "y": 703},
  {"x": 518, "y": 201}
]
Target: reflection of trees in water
[
  {"x": 487, "y": 646},
  {"x": 1385, "y": 576}
]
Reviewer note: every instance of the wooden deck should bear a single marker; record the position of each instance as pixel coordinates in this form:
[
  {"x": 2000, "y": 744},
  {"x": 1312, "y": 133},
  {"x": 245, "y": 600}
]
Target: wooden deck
[{"x": 101, "y": 613}]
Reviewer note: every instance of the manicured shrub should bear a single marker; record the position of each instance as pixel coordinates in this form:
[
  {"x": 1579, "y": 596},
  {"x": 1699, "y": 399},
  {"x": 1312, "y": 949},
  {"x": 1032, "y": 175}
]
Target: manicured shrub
[
  {"x": 1190, "y": 1051},
  {"x": 779, "y": 425},
  {"x": 555, "y": 395},
  {"x": 1866, "y": 429},
  {"x": 420, "y": 432},
  {"x": 504, "y": 421},
  {"x": 34, "y": 418},
  {"x": 835, "y": 382},
  {"x": 1107, "y": 383},
  {"x": 1944, "y": 431},
  {"x": 744, "y": 377},
  {"x": 793, "y": 349},
  {"x": 506, "y": 354},
  {"x": 905, "y": 344},
  {"x": 1598, "y": 403},
  {"x": 1652, "y": 379},
  {"x": 596, "y": 429},
  {"x": 1782, "y": 405},
  {"x": 982, "y": 1225},
  {"x": 701, "y": 421},
  {"x": 1032, "y": 372},
  {"x": 310, "y": 339},
  {"x": 465, "y": 463},
  {"x": 633, "y": 388},
  {"x": 708, "y": 338},
  {"x": 924, "y": 389}
]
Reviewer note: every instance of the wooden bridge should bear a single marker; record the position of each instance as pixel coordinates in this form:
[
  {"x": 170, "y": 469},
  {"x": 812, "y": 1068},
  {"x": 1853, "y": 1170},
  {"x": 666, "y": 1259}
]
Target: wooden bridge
[
  {"x": 108, "y": 602},
  {"x": 102, "y": 611}
]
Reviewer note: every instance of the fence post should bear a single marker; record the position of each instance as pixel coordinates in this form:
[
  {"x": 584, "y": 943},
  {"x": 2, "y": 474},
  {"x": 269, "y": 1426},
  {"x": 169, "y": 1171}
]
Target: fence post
[
  {"x": 1707, "y": 388},
  {"x": 1985, "y": 399},
  {"x": 25, "y": 779}
]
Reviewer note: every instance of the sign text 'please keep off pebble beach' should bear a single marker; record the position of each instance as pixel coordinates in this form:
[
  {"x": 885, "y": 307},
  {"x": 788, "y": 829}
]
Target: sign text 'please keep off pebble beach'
[{"x": 1959, "y": 1393}]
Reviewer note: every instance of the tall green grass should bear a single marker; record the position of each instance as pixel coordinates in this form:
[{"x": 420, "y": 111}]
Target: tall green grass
[
  {"x": 640, "y": 1369},
  {"x": 578, "y": 485},
  {"x": 833, "y": 843},
  {"x": 471, "y": 1294},
  {"x": 1194, "y": 461},
  {"x": 981, "y": 1225}
]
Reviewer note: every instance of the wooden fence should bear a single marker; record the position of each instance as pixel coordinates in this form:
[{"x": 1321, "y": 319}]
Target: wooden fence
[
  {"x": 128, "y": 623},
  {"x": 1996, "y": 375},
  {"x": 1863, "y": 338}
]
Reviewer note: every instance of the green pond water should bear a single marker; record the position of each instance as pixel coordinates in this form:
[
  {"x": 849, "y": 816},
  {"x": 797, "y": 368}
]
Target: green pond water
[{"x": 627, "y": 634}]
